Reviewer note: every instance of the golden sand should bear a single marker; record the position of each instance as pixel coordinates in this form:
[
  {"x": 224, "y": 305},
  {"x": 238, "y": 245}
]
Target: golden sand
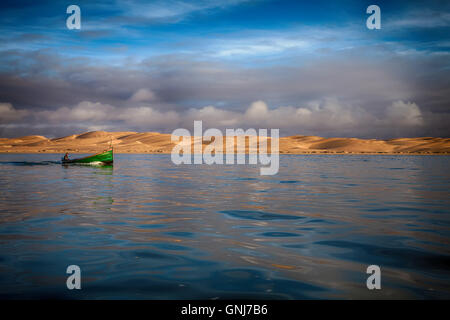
[{"x": 153, "y": 142}]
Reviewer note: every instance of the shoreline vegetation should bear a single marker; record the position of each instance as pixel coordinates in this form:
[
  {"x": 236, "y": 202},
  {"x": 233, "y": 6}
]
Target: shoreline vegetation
[{"x": 159, "y": 143}]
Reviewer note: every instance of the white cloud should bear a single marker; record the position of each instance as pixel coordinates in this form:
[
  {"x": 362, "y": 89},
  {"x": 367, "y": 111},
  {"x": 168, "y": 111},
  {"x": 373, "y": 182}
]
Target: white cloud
[
  {"x": 174, "y": 8},
  {"x": 422, "y": 19},
  {"x": 258, "y": 46},
  {"x": 142, "y": 95},
  {"x": 8, "y": 113},
  {"x": 97, "y": 114},
  {"x": 404, "y": 114},
  {"x": 211, "y": 114},
  {"x": 257, "y": 111},
  {"x": 84, "y": 111},
  {"x": 317, "y": 117},
  {"x": 320, "y": 117},
  {"x": 147, "y": 117}
]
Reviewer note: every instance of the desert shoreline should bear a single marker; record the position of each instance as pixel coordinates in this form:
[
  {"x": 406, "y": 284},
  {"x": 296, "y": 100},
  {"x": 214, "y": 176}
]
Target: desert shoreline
[
  {"x": 161, "y": 143},
  {"x": 281, "y": 153}
]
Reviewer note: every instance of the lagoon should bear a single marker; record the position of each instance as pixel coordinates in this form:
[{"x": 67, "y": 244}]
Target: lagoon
[{"x": 148, "y": 229}]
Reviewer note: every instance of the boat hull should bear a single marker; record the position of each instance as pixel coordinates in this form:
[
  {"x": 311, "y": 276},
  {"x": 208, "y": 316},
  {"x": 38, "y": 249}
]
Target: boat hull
[{"x": 104, "y": 158}]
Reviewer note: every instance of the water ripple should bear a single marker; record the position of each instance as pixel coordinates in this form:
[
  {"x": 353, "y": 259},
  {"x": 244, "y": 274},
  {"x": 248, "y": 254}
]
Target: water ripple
[{"x": 147, "y": 229}]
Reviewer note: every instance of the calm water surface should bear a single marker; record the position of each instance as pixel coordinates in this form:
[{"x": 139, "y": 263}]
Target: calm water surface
[{"x": 152, "y": 230}]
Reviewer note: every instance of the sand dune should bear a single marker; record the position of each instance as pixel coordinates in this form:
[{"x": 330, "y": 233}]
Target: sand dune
[{"x": 153, "y": 142}]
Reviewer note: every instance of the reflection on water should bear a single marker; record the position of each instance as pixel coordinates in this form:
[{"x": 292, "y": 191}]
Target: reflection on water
[{"x": 149, "y": 229}]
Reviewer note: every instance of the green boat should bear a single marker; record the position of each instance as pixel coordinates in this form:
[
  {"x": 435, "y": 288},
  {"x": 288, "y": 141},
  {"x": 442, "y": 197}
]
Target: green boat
[{"x": 103, "y": 158}]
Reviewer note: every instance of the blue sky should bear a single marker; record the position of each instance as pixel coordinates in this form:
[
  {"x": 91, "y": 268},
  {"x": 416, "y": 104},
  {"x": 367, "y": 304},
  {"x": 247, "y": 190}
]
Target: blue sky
[
  {"x": 308, "y": 67},
  {"x": 163, "y": 27}
]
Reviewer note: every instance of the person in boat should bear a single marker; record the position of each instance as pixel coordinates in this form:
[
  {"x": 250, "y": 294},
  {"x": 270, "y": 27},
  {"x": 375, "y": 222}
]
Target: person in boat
[{"x": 66, "y": 156}]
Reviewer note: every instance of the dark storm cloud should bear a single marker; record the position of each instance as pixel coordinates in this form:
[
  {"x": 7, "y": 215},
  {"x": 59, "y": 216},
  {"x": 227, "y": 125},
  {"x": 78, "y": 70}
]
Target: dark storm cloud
[
  {"x": 346, "y": 96},
  {"x": 160, "y": 65}
]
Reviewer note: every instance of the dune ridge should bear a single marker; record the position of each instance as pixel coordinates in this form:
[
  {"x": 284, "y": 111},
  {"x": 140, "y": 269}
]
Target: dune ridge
[{"x": 154, "y": 142}]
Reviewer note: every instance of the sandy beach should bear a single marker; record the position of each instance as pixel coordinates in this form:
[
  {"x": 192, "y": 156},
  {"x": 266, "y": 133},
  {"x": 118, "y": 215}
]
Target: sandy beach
[{"x": 153, "y": 142}]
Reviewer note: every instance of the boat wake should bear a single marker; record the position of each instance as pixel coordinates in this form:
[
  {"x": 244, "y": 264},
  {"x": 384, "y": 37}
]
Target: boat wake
[
  {"x": 29, "y": 163},
  {"x": 91, "y": 164}
]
